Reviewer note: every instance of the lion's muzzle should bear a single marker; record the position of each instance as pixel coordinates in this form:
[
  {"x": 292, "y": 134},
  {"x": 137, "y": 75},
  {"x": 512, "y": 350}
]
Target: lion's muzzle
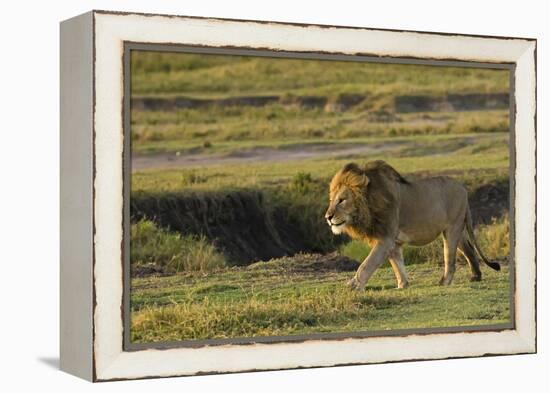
[{"x": 336, "y": 224}]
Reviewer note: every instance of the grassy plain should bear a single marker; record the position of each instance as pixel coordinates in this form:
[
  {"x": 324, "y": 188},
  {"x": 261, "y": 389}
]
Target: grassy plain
[
  {"x": 468, "y": 156},
  {"x": 275, "y": 300},
  {"x": 196, "y": 293},
  {"x": 165, "y": 74}
]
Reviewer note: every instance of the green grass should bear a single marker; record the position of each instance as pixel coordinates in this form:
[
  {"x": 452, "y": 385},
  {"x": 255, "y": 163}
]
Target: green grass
[
  {"x": 155, "y": 73},
  {"x": 190, "y": 130},
  {"x": 494, "y": 238},
  {"x": 205, "y": 76},
  {"x": 170, "y": 252},
  {"x": 250, "y": 302},
  {"x": 204, "y": 297}
]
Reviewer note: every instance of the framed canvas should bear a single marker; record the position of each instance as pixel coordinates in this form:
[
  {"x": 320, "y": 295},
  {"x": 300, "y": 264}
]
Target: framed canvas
[{"x": 246, "y": 195}]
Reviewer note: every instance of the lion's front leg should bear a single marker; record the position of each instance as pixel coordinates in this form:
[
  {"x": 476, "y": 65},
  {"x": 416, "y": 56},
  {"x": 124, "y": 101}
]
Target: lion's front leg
[
  {"x": 352, "y": 283},
  {"x": 398, "y": 266},
  {"x": 376, "y": 257}
]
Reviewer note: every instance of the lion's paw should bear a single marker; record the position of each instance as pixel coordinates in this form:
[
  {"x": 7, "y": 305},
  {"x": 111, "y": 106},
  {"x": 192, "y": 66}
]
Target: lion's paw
[
  {"x": 445, "y": 281},
  {"x": 403, "y": 285},
  {"x": 354, "y": 285}
]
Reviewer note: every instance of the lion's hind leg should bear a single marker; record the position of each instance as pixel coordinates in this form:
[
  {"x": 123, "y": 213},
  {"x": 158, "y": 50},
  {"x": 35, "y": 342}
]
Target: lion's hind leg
[
  {"x": 466, "y": 248},
  {"x": 398, "y": 266},
  {"x": 451, "y": 238}
]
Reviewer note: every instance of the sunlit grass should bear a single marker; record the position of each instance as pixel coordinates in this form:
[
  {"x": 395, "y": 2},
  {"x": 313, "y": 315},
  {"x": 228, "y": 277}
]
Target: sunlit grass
[
  {"x": 226, "y": 129},
  {"x": 204, "y": 298},
  {"x": 216, "y": 76},
  {"x": 250, "y": 302}
]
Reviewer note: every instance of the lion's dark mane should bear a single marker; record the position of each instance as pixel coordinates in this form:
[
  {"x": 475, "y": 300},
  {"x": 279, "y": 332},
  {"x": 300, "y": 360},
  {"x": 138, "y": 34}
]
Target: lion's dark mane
[{"x": 381, "y": 200}]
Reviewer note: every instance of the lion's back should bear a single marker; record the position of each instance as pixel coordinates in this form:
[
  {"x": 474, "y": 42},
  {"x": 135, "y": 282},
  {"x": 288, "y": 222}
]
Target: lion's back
[
  {"x": 434, "y": 200},
  {"x": 436, "y": 189}
]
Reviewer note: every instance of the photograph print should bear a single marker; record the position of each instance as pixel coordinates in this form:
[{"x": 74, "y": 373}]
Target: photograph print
[{"x": 282, "y": 198}]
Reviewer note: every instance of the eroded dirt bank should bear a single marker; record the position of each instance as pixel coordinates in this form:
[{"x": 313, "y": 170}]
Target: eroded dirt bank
[
  {"x": 248, "y": 226},
  {"x": 402, "y": 104}
]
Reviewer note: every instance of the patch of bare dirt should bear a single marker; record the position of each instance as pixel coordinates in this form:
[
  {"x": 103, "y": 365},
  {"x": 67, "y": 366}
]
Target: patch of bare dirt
[
  {"x": 261, "y": 154},
  {"x": 451, "y": 102},
  {"x": 303, "y": 263},
  {"x": 147, "y": 270}
]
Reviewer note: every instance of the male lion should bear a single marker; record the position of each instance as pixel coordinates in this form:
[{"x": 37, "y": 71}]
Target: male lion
[{"x": 374, "y": 203}]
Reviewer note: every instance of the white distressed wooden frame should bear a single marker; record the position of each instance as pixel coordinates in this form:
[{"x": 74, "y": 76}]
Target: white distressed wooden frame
[{"x": 92, "y": 143}]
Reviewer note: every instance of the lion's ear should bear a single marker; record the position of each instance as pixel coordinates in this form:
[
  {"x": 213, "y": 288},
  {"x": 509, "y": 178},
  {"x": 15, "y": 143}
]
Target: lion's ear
[{"x": 359, "y": 180}]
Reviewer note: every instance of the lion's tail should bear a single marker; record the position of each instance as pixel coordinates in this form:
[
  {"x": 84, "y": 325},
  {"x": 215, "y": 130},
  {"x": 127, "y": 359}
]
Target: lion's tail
[{"x": 473, "y": 242}]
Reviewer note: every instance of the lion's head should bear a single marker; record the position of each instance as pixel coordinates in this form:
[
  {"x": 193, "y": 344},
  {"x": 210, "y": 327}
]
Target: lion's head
[
  {"x": 346, "y": 198},
  {"x": 363, "y": 200}
]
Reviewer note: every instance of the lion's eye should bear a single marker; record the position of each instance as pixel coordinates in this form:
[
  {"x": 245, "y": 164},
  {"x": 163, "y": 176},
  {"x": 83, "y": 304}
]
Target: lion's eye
[{"x": 340, "y": 200}]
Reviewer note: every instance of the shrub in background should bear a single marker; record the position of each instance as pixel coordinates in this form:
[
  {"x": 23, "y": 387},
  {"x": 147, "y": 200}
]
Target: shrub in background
[{"x": 171, "y": 251}]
